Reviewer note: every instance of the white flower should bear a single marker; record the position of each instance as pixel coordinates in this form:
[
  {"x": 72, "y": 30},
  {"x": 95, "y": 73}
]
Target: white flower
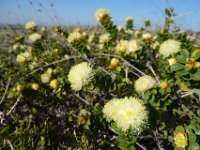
[
  {"x": 169, "y": 47},
  {"x": 91, "y": 38},
  {"x": 23, "y": 57},
  {"x": 120, "y": 28},
  {"x": 147, "y": 36},
  {"x": 133, "y": 46},
  {"x": 144, "y": 83},
  {"x": 105, "y": 38},
  {"x": 45, "y": 78},
  {"x": 155, "y": 45},
  {"x": 127, "y": 113},
  {"x": 122, "y": 46},
  {"x": 129, "y": 19},
  {"x": 34, "y": 37},
  {"x": 80, "y": 75},
  {"x": 74, "y": 36},
  {"x": 171, "y": 61},
  {"x": 30, "y": 25},
  {"x": 101, "y": 14}
]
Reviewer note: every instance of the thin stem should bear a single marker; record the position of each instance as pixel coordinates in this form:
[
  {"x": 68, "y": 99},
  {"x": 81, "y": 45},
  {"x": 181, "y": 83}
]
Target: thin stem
[
  {"x": 82, "y": 99},
  {"x": 18, "y": 99},
  {"x": 112, "y": 55},
  {"x": 10, "y": 144},
  {"x": 150, "y": 67},
  {"x": 55, "y": 62},
  {"x": 4, "y": 95},
  {"x": 142, "y": 147}
]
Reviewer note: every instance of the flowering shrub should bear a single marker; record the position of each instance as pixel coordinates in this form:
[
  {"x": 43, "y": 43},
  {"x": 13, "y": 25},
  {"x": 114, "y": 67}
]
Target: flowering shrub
[{"x": 113, "y": 88}]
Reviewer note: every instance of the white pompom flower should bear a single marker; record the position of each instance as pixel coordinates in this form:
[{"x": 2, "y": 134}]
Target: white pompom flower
[
  {"x": 104, "y": 38},
  {"x": 24, "y": 57},
  {"x": 80, "y": 75},
  {"x": 169, "y": 47},
  {"x": 128, "y": 113},
  {"x": 74, "y": 36},
  {"x": 122, "y": 46},
  {"x": 30, "y": 25},
  {"x": 133, "y": 46},
  {"x": 144, "y": 83},
  {"x": 101, "y": 14},
  {"x": 34, "y": 37}
]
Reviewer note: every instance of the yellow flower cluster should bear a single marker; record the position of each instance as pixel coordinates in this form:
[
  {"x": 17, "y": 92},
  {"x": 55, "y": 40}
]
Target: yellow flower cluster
[
  {"x": 80, "y": 75},
  {"x": 127, "y": 113}
]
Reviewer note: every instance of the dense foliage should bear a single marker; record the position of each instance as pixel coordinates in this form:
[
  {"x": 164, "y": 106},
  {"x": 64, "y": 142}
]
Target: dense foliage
[{"x": 115, "y": 88}]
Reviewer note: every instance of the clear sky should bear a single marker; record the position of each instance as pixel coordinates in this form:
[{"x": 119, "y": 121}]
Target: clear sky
[{"x": 73, "y": 12}]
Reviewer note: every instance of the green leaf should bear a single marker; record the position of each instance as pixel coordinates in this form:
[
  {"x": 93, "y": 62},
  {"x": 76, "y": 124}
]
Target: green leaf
[
  {"x": 194, "y": 146},
  {"x": 197, "y": 56},
  {"x": 185, "y": 53},
  {"x": 131, "y": 148},
  {"x": 177, "y": 67},
  {"x": 179, "y": 129},
  {"x": 181, "y": 59},
  {"x": 196, "y": 75},
  {"x": 192, "y": 137}
]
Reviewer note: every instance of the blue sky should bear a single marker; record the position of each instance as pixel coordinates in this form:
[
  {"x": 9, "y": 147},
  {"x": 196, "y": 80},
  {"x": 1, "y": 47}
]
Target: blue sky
[{"x": 73, "y": 12}]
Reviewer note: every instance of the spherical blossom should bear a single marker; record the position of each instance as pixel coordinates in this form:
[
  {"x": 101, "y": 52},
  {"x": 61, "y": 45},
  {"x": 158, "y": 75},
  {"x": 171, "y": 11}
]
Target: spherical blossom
[
  {"x": 129, "y": 19},
  {"x": 30, "y": 25},
  {"x": 169, "y": 47},
  {"x": 105, "y": 38},
  {"x": 80, "y": 75},
  {"x": 171, "y": 61},
  {"x": 120, "y": 28},
  {"x": 74, "y": 36},
  {"x": 23, "y": 57},
  {"x": 144, "y": 83},
  {"x": 147, "y": 36},
  {"x": 101, "y": 14},
  {"x": 180, "y": 139},
  {"x": 133, "y": 46},
  {"x": 34, "y": 37},
  {"x": 127, "y": 113},
  {"x": 45, "y": 78},
  {"x": 122, "y": 46}
]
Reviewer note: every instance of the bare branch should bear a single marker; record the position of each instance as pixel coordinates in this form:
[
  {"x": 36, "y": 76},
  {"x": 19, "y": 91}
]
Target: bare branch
[{"x": 4, "y": 95}]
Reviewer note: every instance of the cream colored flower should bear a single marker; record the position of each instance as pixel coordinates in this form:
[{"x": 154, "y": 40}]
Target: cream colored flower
[
  {"x": 133, "y": 46},
  {"x": 122, "y": 46},
  {"x": 45, "y": 78},
  {"x": 91, "y": 38},
  {"x": 171, "y": 61},
  {"x": 101, "y": 14},
  {"x": 120, "y": 28},
  {"x": 144, "y": 83},
  {"x": 147, "y": 36},
  {"x": 23, "y": 57},
  {"x": 127, "y": 113},
  {"x": 30, "y": 25},
  {"x": 74, "y": 36},
  {"x": 80, "y": 75},
  {"x": 34, "y": 37},
  {"x": 169, "y": 47},
  {"x": 105, "y": 38}
]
